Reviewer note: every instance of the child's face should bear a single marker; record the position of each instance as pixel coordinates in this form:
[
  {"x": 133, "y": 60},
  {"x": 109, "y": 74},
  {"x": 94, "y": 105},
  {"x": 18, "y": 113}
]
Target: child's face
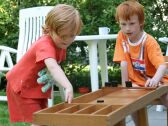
[
  {"x": 131, "y": 28},
  {"x": 64, "y": 40}
]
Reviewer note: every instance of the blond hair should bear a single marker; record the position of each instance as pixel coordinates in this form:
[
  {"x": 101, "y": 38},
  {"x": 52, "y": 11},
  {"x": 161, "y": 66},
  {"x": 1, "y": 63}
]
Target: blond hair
[
  {"x": 129, "y": 8},
  {"x": 61, "y": 18}
]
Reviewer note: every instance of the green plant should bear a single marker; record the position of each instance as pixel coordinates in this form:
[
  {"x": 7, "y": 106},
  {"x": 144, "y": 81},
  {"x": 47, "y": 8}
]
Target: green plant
[
  {"x": 78, "y": 74},
  {"x": 84, "y": 79},
  {"x": 114, "y": 73}
]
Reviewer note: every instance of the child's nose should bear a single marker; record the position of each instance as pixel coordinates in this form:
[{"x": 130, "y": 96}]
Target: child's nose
[{"x": 127, "y": 27}]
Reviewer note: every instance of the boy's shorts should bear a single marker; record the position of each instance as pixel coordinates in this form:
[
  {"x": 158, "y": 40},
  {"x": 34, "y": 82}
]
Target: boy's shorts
[{"x": 22, "y": 109}]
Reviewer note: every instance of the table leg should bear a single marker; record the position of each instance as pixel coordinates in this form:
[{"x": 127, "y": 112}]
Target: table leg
[
  {"x": 121, "y": 123},
  {"x": 142, "y": 117},
  {"x": 103, "y": 61},
  {"x": 93, "y": 61}
]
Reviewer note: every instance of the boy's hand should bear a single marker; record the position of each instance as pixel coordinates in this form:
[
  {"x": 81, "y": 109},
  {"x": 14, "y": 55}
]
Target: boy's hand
[
  {"x": 155, "y": 80},
  {"x": 69, "y": 94},
  {"x": 152, "y": 83}
]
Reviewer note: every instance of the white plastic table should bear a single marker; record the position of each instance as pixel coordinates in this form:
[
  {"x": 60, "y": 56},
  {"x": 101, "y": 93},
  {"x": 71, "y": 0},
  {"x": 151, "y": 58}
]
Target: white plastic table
[
  {"x": 160, "y": 108},
  {"x": 93, "y": 42},
  {"x": 164, "y": 40}
]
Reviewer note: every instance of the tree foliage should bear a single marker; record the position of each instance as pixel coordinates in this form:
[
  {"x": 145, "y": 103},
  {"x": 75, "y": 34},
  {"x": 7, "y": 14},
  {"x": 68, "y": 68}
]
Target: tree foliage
[{"x": 94, "y": 13}]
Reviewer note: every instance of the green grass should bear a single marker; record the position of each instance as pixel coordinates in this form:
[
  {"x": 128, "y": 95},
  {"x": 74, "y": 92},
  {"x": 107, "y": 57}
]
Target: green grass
[{"x": 4, "y": 115}]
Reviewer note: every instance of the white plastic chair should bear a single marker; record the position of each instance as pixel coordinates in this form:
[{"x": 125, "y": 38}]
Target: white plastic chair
[
  {"x": 160, "y": 108},
  {"x": 30, "y": 28}
]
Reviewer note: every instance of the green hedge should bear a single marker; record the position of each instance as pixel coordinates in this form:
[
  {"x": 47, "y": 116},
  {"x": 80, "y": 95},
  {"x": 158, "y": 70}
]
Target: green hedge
[
  {"x": 78, "y": 75},
  {"x": 94, "y": 13}
]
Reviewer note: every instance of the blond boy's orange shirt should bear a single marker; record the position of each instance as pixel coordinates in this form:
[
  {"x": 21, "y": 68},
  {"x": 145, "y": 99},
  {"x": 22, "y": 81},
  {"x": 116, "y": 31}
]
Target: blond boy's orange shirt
[{"x": 152, "y": 55}]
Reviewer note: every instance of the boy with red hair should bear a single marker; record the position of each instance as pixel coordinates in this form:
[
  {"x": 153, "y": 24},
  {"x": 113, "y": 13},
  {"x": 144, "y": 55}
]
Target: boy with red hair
[{"x": 138, "y": 53}]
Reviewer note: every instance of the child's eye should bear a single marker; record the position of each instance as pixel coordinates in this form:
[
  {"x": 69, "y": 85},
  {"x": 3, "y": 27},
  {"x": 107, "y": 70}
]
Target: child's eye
[
  {"x": 63, "y": 37},
  {"x": 122, "y": 24},
  {"x": 65, "y": 43},
  {"x": 72, "y": 36},
  {"x": 132, "y": 23}
]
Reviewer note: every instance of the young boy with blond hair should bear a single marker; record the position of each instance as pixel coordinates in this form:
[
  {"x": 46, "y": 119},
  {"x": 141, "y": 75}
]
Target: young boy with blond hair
[{"x": 24, "y": 94}]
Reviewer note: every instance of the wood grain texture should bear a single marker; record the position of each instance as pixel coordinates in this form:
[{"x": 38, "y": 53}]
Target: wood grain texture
[{"x": 85, "y": 110}]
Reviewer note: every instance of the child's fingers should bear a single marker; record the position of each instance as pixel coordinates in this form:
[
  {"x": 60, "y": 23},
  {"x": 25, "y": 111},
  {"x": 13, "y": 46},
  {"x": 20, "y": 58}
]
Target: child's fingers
[
  {"x": 68, "y": 95},
  {"x": 69, "y": 98},
  {"x": 147, "y": 84},
  {"x": 151, "y": 83}
]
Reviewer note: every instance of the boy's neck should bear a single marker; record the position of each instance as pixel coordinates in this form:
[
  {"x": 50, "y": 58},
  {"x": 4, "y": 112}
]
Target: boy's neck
[
  {"x": 138, "y": 37},
  {"x": 139, "y": 40}
]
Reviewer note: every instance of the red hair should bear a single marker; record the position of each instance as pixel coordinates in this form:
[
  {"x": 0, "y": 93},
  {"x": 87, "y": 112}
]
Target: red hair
[{"x": 129, "y": 8}]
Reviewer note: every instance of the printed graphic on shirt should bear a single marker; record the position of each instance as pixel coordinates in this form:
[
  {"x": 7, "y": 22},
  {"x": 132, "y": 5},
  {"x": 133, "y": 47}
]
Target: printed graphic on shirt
[{"x": 138, "y": 64}]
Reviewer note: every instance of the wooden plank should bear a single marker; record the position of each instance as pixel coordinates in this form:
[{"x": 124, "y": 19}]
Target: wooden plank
[
  {"x": 70, "y": 120},
  {"x": 121, "y": 123},
  {"x": 94, "y": 95},
  {"x": 114, "y": 92},
  {"x": 166, "y": 58},
  {"x": 88, "y": 97},
  {"x": 142, "y": 117},
  {"x": 99, "y": 114},
  {"x": 141, "y": 102}
]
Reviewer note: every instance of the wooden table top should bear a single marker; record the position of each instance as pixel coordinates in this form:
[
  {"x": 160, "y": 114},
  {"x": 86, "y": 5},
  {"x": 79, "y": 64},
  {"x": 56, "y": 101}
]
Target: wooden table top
[{"x": 104, "y": 107}]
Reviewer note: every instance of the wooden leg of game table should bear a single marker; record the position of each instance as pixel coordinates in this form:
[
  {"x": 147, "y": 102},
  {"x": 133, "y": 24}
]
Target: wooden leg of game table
[
  {"x": 142, "y": 117},
  {"x": 121, "y": 123}
]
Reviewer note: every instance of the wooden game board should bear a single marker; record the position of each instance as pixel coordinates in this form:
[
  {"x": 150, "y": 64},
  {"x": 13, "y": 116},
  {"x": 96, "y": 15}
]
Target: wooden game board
[{"x": 105, "y": 107}]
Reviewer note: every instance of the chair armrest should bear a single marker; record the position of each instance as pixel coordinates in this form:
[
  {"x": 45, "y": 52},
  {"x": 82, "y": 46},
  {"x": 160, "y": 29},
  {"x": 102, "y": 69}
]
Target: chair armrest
[
  {"x": 5, "y": 48},
  {"x": 5, "y": 57},
  {"x": 164, "y": 40}
]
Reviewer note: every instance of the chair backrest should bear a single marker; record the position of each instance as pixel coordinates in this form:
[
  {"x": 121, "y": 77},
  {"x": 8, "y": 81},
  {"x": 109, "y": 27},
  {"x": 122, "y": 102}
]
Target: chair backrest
[{"x": 30, "y": 27}]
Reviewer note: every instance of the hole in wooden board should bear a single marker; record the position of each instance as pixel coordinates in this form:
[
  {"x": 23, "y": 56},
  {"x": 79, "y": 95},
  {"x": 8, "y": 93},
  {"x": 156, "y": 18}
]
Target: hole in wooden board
[
  {"x": 56, "y": 108},
  {"x": 74, "y": 108},
  {"x": 91, "y": 109},
  {"x": 107, "y": 110}
]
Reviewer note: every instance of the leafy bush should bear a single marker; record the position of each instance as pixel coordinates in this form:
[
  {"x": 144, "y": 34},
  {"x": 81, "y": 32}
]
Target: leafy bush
[
  {"x": 78, "y": 75},
  {"x": 115, "y": 73},
  {"x": 94, "y": 13}
]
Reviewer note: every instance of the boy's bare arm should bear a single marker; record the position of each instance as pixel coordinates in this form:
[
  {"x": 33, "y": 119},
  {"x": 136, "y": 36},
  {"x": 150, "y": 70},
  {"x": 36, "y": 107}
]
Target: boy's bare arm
[
  {"x": 154, "y": 82},
  {"x": 59, "y": 76}
]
